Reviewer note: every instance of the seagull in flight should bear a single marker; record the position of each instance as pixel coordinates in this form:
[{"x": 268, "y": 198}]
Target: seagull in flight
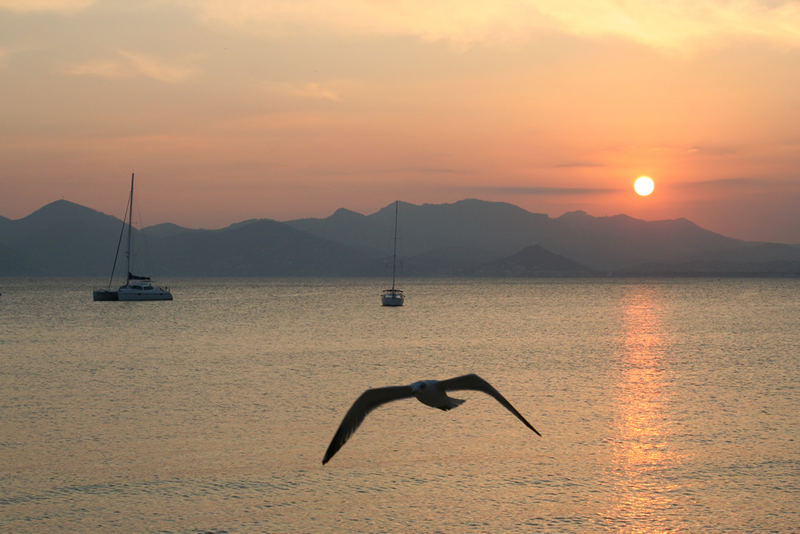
[{"x": 430, "y": 392}]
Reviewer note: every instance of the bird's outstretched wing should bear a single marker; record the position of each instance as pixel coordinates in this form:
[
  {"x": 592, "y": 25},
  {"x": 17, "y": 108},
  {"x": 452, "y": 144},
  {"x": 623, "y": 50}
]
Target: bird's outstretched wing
[
  {"x": 368, "y": 401},
  {"x": 473, "y": 381}
]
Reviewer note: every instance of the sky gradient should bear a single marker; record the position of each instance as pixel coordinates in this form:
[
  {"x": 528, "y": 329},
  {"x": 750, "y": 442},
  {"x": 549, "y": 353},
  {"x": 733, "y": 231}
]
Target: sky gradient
[{"x": 236, "y": 109}]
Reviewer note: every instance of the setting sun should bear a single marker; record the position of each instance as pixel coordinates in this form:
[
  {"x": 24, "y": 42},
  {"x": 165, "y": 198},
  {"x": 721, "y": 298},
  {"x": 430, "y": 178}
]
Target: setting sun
[{"x": 644, "y": 185}]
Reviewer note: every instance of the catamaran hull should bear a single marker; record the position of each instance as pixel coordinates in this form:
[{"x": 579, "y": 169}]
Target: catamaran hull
[
  {"x": 108, "y": 295},
  {"x": 104, "y": 295},
  {"x": 141, "y": 294}
]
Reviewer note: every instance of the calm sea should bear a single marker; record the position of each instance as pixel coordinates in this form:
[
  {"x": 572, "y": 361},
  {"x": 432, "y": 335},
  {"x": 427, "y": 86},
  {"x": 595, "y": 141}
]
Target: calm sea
[{"x": 664, "y": 405}]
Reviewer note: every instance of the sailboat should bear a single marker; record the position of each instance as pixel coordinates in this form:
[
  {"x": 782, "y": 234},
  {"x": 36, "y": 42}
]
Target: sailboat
[
  {"x": 136, "y": 287},
  {"x": 393, "y": 296}
]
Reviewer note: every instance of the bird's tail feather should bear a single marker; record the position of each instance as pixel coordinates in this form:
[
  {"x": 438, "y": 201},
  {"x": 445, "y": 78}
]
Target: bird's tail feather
[{"x": 453, "y": 403}]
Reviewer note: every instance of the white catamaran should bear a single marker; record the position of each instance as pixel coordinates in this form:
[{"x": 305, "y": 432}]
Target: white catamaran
[
  {"x": 136, "y": 287},
  {"x": 393, "y": 296}
]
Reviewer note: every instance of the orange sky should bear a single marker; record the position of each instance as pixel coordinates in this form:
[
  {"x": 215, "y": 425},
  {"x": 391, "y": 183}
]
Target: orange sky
[{"x": 234, "y": 109}]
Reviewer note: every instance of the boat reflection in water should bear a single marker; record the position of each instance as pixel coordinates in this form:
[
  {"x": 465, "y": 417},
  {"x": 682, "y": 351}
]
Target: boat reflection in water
[{"x": 642, "y": 452}]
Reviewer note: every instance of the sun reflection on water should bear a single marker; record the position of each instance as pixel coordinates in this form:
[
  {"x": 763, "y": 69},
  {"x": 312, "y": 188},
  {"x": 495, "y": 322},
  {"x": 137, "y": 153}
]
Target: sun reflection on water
[{"x": 641, "y": 453}]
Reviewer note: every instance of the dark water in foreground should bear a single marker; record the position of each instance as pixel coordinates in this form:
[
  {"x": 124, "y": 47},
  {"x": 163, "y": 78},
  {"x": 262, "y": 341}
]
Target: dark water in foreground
[{"x": 665, "y": 405}]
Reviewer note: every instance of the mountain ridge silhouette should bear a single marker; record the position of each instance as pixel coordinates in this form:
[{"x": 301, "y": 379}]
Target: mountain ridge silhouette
[{"x": 470, "y": 237}]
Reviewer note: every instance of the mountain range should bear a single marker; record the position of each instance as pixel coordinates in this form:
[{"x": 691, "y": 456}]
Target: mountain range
[{"x": 466, "y": 238}]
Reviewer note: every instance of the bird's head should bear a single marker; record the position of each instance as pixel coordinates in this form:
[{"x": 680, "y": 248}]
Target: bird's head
[{"x": 422, "y": 385}]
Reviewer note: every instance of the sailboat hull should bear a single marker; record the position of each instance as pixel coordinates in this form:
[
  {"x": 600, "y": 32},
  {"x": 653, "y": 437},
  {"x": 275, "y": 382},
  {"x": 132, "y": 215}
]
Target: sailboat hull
[{"x": 392, "y": 297}]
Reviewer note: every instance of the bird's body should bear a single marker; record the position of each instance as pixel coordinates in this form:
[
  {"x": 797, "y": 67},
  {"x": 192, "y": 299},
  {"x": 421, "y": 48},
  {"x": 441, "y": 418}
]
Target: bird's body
[
  {"x": 432, "y": 393},
  {"x": 429, "y": 393}
]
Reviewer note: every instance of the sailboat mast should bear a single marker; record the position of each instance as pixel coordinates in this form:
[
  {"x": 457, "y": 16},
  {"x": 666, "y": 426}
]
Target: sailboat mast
[
  {"x": 130, "y": 229},
  {"x": 394, "y": 252}
]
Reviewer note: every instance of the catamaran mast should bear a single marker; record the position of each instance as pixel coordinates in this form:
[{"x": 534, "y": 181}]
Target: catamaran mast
[
  {"x": 394, "y": 253},
  {"x": 130, "y": 230}
]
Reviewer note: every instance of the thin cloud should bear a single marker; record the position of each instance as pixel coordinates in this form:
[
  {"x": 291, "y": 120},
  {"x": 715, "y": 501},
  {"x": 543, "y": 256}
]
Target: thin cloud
[
  {"x": 680, "y": 24},
  {"x": 317, "y": 92},
  {"x": 100, "y": 69},
  {"x": 712, "y": 150},
  {"x": 155, "y": 68},
  {"x": 130, "y": 65},
  {"x": 306, "y": 91},
  {"x": 421, "y": 170},
  {"x": 742, "y": 183},
  {"x": 546, "y": 191},
  {"x": 44, "y": 6},
  {"x": 577, "y": 164},
  {"x": 462, "y": 22},
  {"x": 389, "y": 171}
]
